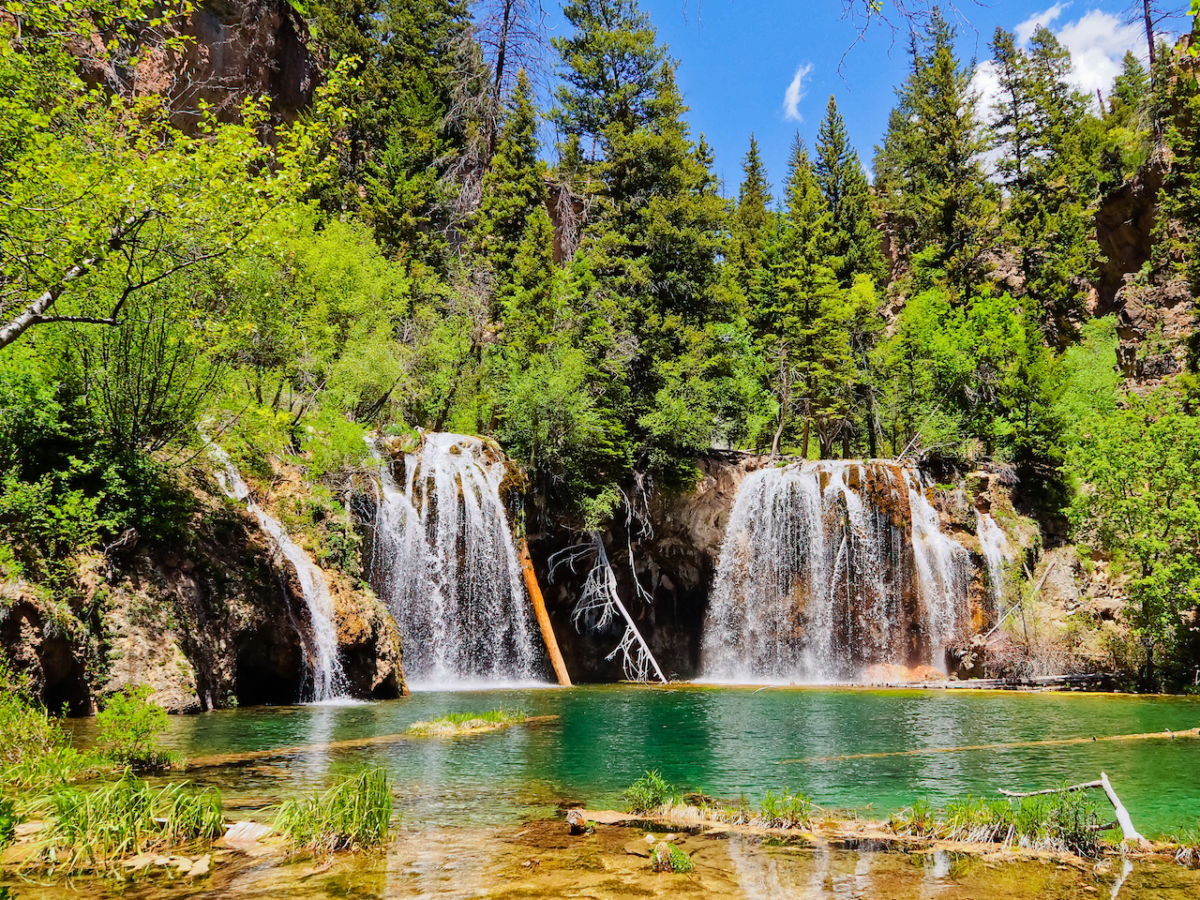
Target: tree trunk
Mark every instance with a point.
(543, 617)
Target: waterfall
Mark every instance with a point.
(995, 552)
(829, 567)
(324, 668)
(443, 558)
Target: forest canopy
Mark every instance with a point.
(407, 254)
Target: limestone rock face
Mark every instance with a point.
(211, 624)
(675, 563)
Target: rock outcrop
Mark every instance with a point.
(222, 53)
(212, 623)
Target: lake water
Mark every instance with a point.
(721, 740)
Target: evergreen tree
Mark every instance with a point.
(929, 174)
(800, 327)
(514, 187)
(752, 228)
(855, 242)
(1048, 144)
(403, 134)
(612, 69)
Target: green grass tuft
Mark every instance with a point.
(668, 857)
(785, 810)
(465, 723)
(354, 814)
(1067, 821)
(94, 830)
(650, 792)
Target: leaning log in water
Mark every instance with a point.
(543, 617)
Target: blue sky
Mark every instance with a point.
(738, 59)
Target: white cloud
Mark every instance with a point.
(1098, 41)
(795, 93)
(1025, 30)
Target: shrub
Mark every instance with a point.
(649, 792)
(96, 829)
(787, 810)
(129, 728)
(668, 857)
(355, 814)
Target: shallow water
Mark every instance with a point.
(724, 741)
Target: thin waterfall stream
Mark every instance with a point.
(828, 568)
(444, 560)
(324, 667)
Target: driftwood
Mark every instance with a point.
(1128, 832)
(543, 617)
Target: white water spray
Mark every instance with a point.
(820, 575)
(324, 668)
(443, 558)
(996, 552)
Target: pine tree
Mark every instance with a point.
(514, 187)
(929, 174)
(612, 67)
(654, 229)
(1048, 151)
(855, 242)
(402, 135)
(800, 328)
(752, 228)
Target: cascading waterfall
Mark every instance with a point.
(996, 553)
(324, 667)
(443, 558)
(829, 567)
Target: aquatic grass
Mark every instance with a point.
(785, 810)
(95, 830)
(460, 723)
(668, 857)
(649, 793)
(1187, 849)
(354, 814)
(35, 749)
(1067, 821)
(917, 819)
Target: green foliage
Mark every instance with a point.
(1064, 820)
(785, 810)
(649, 793)
(128, 729)
(95, 830)
(465, 723)
(971, 377)
(929, 175)
(354, 814)
(1141, 468)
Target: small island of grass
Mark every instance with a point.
(454, 724)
